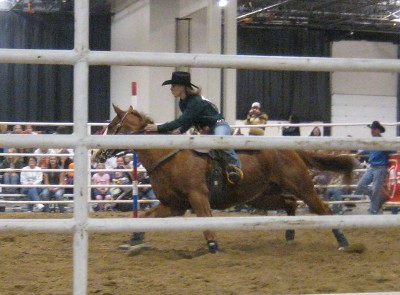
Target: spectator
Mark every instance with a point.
(376, 172)
(32, 178)
(63, 130)
(29, 130)
(17, 129)
(66, 162)
(4, 129)
(53, 178)
(291, 130)
(146, 193)
(128, 161)
(316, 132)
(101, 193)
(12, 177)
(43, 160)
(120, 177)
(103, 128)
(70, 174)
(256, 117)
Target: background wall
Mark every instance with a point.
(363, 97)
(150, 26)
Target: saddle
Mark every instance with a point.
(217, 179)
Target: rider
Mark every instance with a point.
(201, 113)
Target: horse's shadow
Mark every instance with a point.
(171, 254)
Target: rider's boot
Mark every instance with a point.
(235, 174)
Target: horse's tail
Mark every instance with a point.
(343, 164)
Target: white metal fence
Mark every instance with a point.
(81, 58)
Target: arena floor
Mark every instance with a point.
(178, 262)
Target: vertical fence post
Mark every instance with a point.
(80, 113)
(135, 206)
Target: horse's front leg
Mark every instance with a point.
(201, 207)
(158, 211)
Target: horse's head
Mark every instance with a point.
(125, 122)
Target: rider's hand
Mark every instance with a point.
(151, 128)
(176, 132)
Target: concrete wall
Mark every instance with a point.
(363, 97)
(150, 26)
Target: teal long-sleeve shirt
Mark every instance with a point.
(196, 111)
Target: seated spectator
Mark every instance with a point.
(292, 130)
(43, 161)
(4, 129)
(146, 193)
(32, 178)
(120, 177)
(103, 128)
(101, 193)
(54, 178)
(66, 162)
(12, 177)
(128, 161)
(63, 130)
(29, 130)
(256, 117)
(70, 174)
(316, 132)
(17, 129)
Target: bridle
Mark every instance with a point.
(118, 125)
(105, 154)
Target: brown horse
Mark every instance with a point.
(179, 177)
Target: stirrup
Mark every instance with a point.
(234, 174)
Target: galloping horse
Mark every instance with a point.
(179, 177)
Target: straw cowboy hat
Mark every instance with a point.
(377, 125)
(180, 78)
(256, 105)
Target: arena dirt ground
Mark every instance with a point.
(178, 262)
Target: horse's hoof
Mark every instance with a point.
(289, 235)
(212, 247)
(356, 248)
(137, 238)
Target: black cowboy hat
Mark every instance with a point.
(180, 78)
(377, 125)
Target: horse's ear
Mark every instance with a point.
(130, 109)
(117, 110)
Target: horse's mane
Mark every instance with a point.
(144, 119)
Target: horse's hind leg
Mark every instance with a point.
(158, 211)
(303, 188)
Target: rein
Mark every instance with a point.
(160, 161)
(110, 153)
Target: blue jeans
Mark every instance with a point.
(223, 128)
(57, 195)
(33, 195)
(11, 178)
(335, 194)
(376, 174)
(149, 195)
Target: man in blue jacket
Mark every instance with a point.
(377, 171)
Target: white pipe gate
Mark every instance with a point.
(81, 58)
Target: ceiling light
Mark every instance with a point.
(222, 3)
